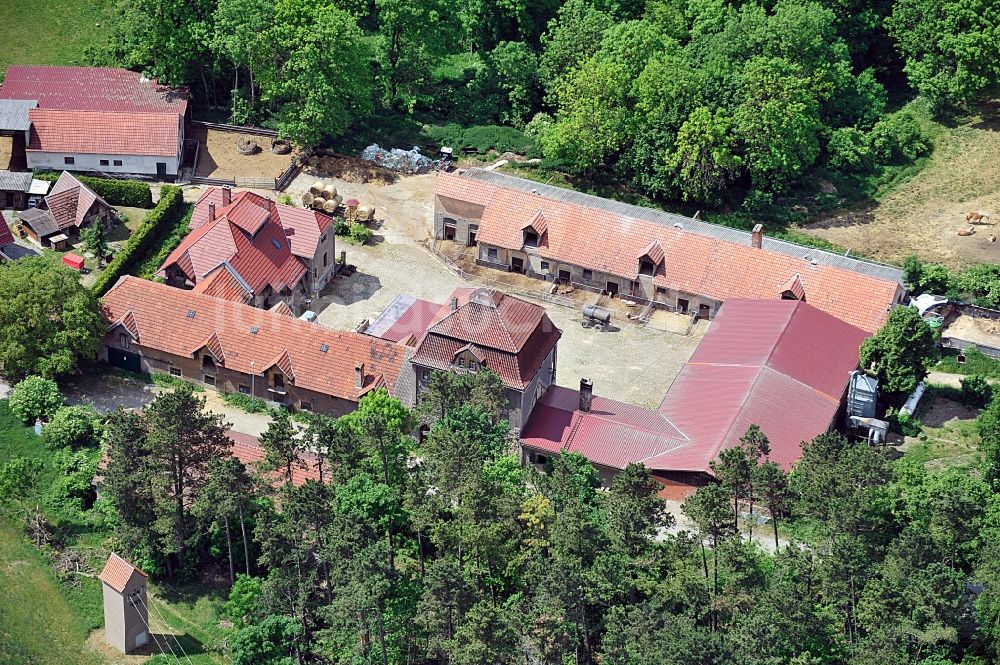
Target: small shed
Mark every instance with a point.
(126, 619)
(74, 261)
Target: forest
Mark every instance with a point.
(447, 550)
(708, 101)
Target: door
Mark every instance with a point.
(703, 311)
(141, 639)
(124, 360)
(161, 170)
(564, 276)
(472, 235)
(516, 264)
(682, 305)
(612, 288)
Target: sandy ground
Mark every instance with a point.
(980, 331)
(923, 215)
(629, 362)
(218, 157)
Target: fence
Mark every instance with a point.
(962, 345)
(259, 131)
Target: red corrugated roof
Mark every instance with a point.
(103, 89)
(698, 264)
(161, 321)
(117, 572)
(104, 133)
(779, 364)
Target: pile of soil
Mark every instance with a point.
(349, 169)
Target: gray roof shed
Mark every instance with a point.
(15, 181)
(14, 114)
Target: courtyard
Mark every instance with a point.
(628, 362)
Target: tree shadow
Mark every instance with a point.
(989, 114)
(347, 291)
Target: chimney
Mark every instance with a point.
(454, 304)
(227, 196)
(757, 236)
(211, 212)
(586, 394)
(359, 375)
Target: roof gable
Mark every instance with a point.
(118, 572)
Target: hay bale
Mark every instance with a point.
(330, 206)
(318, 203)
(307, 198)
(366, 213)
(317, 188)
(329, 192)
(338, 198)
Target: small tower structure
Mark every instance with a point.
(126, 621)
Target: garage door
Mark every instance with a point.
(124, 360)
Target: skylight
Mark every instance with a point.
(254, 330)
(190, 313)
(324, 347)
(276, 243)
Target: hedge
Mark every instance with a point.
(157, 222)
(130, 193)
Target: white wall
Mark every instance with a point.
(130, 163)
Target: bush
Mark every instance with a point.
(172, 235)
(72, 427)
(898, 138)
(342, 228)
(131, 193)
(35, 397)
(976, 362)
(73, 489)
(170, 208)
(849, 150)
(360, 234)
(976, 391)
(247, 403)
(166, 381)
(484, 138)
(903, 422)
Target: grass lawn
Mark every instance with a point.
(37, 624)
(50, 33)
(949, 437)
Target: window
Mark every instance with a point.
(647, 267)
(322, 238)
(425, 375)
(588, 274)
(474, 366)
(210, 380)
(244, 390)
(635, 288)
(541, 459)
(306, 406)
(122, 341)
(279, 381)
(324, 259)
(105, 162)
(461, 361)
(69, 160)
(491, 253)
(175, 371)
(530, 238)
(118, 162)
(545, 265)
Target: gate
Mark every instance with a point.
(125, 360)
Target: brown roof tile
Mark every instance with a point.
(117, 572)
(249, 335)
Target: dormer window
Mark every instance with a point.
(461, 361)
(647, 267)
(530, 238)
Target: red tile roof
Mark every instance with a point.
(248, 335)
(117, 572)
(412, 323)
(104, 133)
(224, 283)
(303, 227)
(781, 364)
(593, 234)
(113, 90)
(248, 236)
(248, 450)
(70, 200)
(512, 335)
(6, 237)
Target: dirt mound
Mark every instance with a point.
(350, 169)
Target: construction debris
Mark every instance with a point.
(402, 161)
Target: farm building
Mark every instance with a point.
(250, 249)
(232, 347)
(783, 365)
(479, 328)
(676, 262)
(94, 119)
(68, 207)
